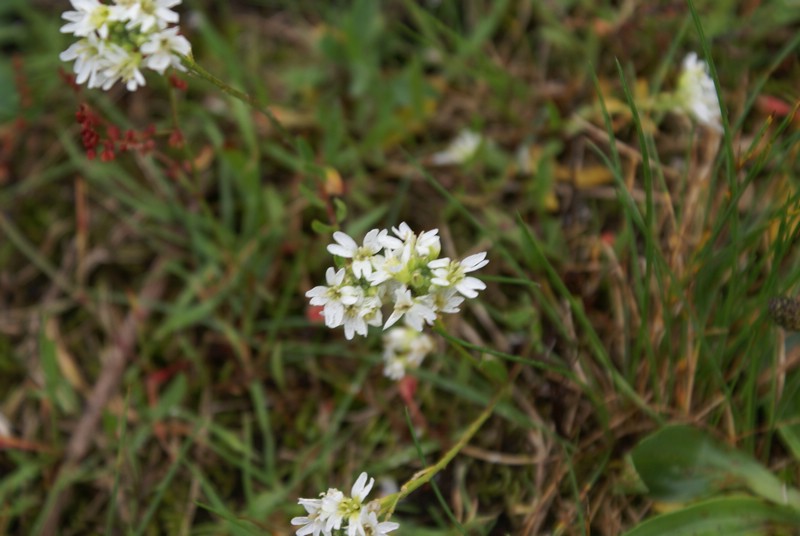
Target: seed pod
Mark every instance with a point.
(785, 312)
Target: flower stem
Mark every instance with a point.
(198, 71)
(389, 502)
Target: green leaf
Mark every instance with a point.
(9, 99)
(680, 463)
(494, 368)
(728, 516)
(322, 228)
(341, 209)
(790, 434)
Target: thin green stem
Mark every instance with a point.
(421, 478)
(198, 71)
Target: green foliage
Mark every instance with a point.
(632, 259)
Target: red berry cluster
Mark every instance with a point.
(132, 140)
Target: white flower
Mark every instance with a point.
(400, 270)
(416, 310)
(460, 149)
(119, 39)
(334, 297)
(428, 244)
(123, 65)
(162, 50)
(404, 347)
(89, 16)
(354, 321)
(148, 14)
(90, 60)
(331, 509)
(352, 508)
(362, 256)
(404, 233)
(386, 267)
(328, 513)
(313, 523)
(446, 300)
(696, 92)
(371, 310)
(369, 520)
(361, 487)
(449, 273)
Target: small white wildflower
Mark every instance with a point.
(415, 310)
(362, 256)
(404, 348)
(449, 273)
(150, 14)
(118, 40)
(404, 233)
(162, 49)
(386, 267)
(371, 311)
(334, 297)
(428, 244)
(90, 60)
(313, 522)
(331, 509)
(351, 508)
(123, 65)
(89, 16)
(354, 321)
(696, 93)
(401, 271)
(446, 300)
(369, 521)
(461, 149)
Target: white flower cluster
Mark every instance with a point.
(696, 93)
(117, 40)
(333, 508)
(403, 270)
(404, 348)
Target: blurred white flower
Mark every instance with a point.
(163, 48)
(404, 348)
(696, 93)
(150, 14)
(461, 149)
(123, 65)
(120, 39)
(90, 60)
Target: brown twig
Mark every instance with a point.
(116, 358)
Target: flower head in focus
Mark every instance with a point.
(335, 511)
(119, 39)
(402, 272)
(696, 94)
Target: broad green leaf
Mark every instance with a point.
(726, 516)
(679, 463)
